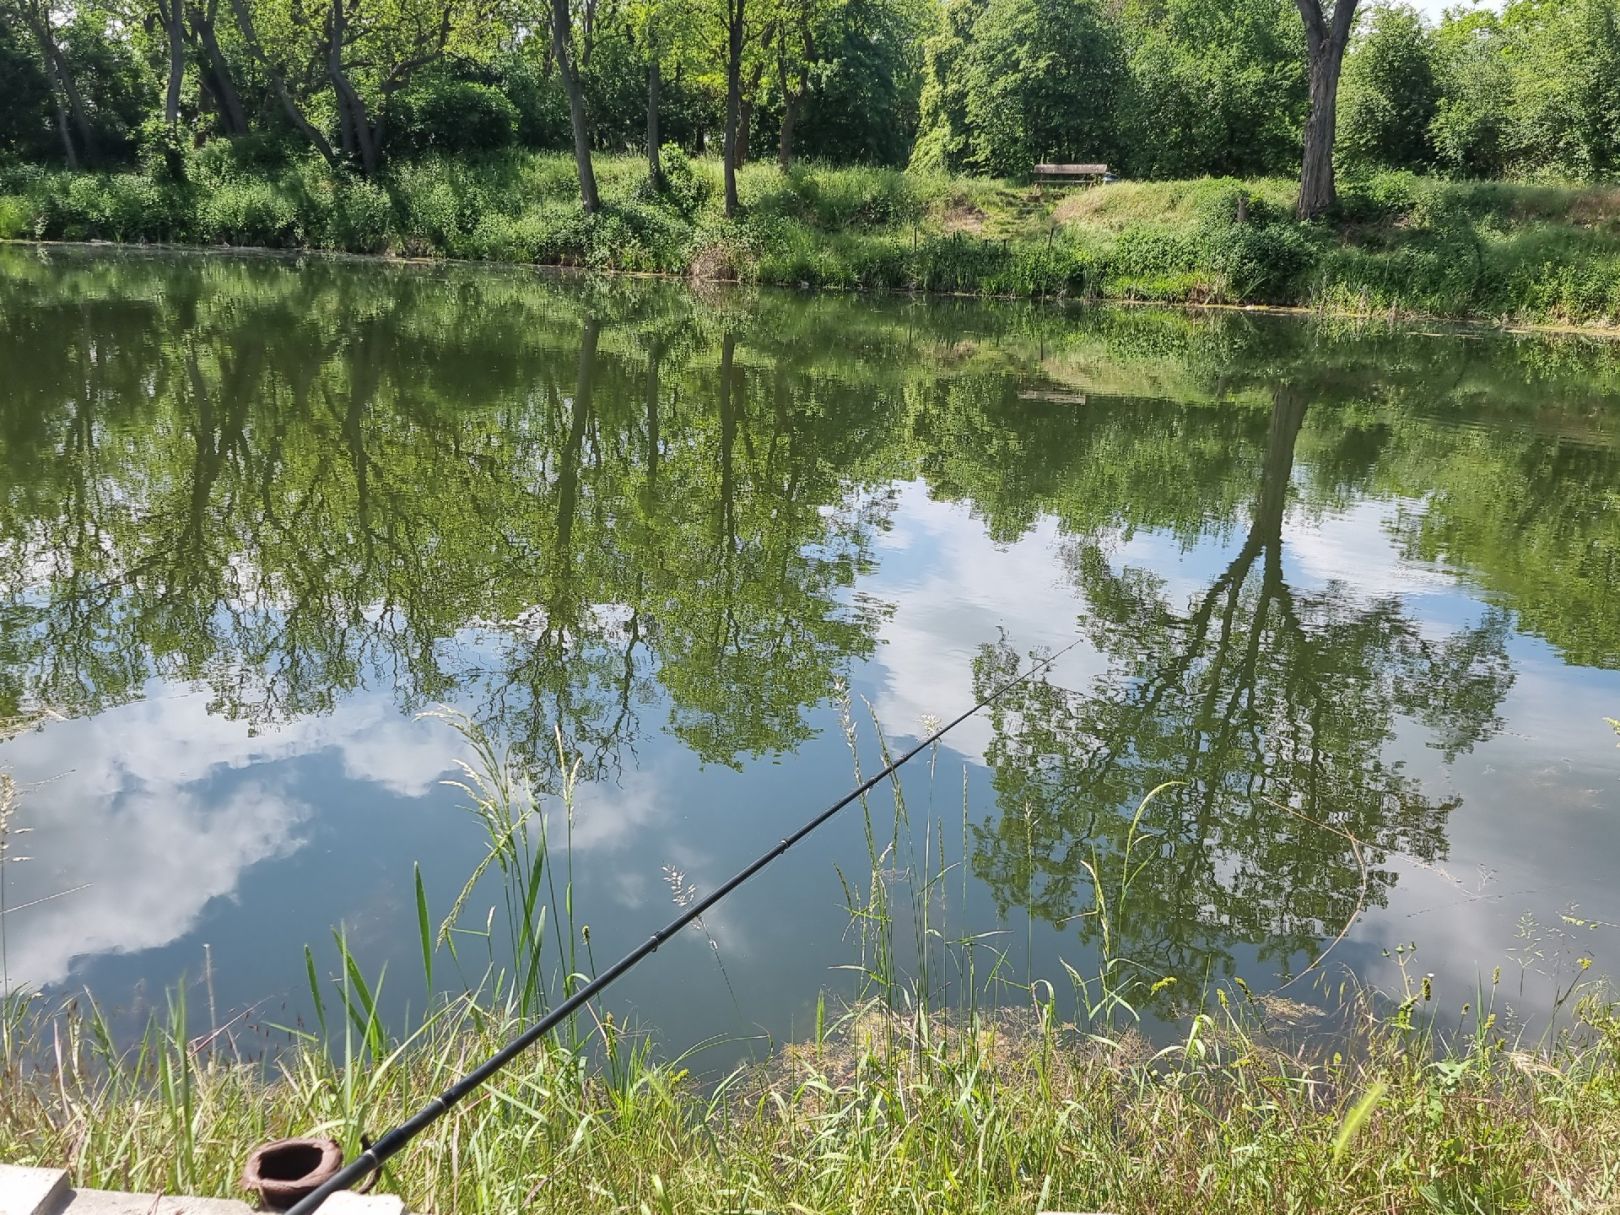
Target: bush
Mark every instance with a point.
(429, 206)
(684, 188)
(120, 207)
(503, 238)
(347, 213)
(1260, 263)
(256, 155)
(249, 213)
(835, 199)
(445, 115)
(16, 217)
(162, 151)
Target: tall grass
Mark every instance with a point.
(904, 1098)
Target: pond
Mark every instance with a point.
(1349, 587)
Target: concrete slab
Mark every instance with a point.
(28, 1191)
(115, 1202)
(363, 1204)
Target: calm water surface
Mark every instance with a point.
(1353, 589)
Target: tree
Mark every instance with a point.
(26, 96)
(1270, 706)
(736, 42)
(1471, 128)
(1043, 79)
(172, 17)
(563, 52)
(366, 52)
(1326, 36)
(1214, 88)
(1564, 61)
(41, 18)
(215, 73)
(942, 121)
(1391, 93)
(863, 103)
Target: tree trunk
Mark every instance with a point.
(1325, 39)
(220, 81)
(560, 37)
(244, 22)
(1317, 192)
(62, 126)
(734, 50)
(351, 106)
(62, 119)
(65, 87)
(174, 18)
(790, 115)
(655, 167)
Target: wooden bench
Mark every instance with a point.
(1084, 175)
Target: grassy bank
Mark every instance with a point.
(886, 1113)
(1402, 244)
(1255, 1103)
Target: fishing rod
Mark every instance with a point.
(376, 1154)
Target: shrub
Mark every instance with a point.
(16, 217)
(122, 207)
(684, 188)
(639, 237)
(446, 115)
(257, 155)
(249, 213)
(1260, 263)
(162, 151)
(430, 207)
(361, 219)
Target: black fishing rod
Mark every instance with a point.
(374, 1156)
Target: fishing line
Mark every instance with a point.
(377, 1153)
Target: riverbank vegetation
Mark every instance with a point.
(885, 1113)
(1459, 169)
(1246, 1102)
(1404, 243)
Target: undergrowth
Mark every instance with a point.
(1400, 244)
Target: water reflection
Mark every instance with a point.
(1265, 712)
(1307, 561)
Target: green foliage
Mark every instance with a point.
(25, 98)
(1214, 88)
(1407, 243)
(84, 206)
(687, 190)
(1471, 130)
(255, 213)
(863, 106)
(1389, 94)
(537, 99)
(162, 152)
(443, 114)
(16, 216)
(1043, 80)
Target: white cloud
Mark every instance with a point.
(965, 590)
(118, 805)
(1354, 547)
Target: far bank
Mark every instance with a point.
(1401, 245)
